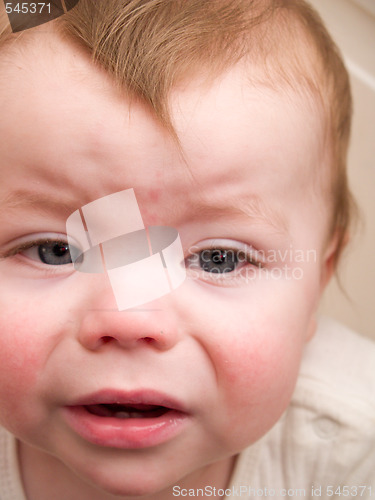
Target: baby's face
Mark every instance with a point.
(223, 350)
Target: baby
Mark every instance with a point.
(226, 121)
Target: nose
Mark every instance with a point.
(153, 324)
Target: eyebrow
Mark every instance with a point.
(46, 204)
(253, 208)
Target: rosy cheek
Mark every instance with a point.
(258, 385)
(19, 355)
(264, 371)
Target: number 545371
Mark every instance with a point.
(27, 8)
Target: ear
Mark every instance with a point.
(329, 261)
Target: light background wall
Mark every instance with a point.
(352, 25)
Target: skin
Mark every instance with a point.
(228, 349)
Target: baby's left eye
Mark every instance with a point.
(52, 253)
(222, 260)
(218, 260)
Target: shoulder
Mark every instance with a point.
(326, 436)
(10, 481)
(344, 345)
(340, 362)
(332, 410)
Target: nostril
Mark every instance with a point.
(148, 339)
(106, 339)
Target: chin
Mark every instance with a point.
(125, 483)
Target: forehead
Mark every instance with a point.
(238, 141)
(265, 122)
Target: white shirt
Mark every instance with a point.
(325, 441)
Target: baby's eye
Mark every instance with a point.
(46, 250)
(218, 260)
(52, 253)
(221, 260)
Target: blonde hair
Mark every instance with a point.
(150, 45)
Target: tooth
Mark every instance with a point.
(122, 414)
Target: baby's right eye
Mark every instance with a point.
(52, 253)
(50, 250)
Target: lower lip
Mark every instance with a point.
(129, 433)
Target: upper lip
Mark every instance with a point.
(139, 397)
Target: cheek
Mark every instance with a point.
(257, 383)
(19, 361)
(257, 355)
(29, 322)
(261, 363)
(26, 325)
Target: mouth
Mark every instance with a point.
(126, 420)
(122, 411)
